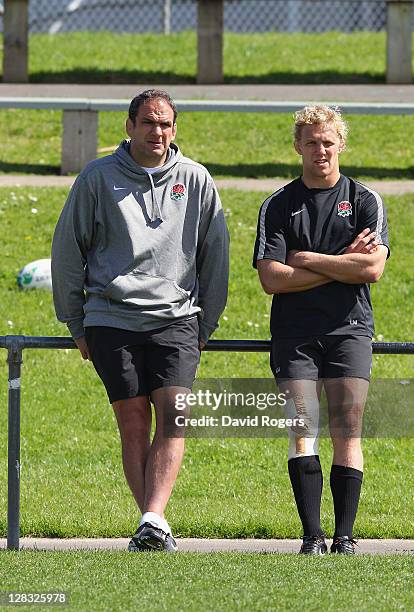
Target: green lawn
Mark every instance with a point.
(210, 582)
(106, 57)
(72, 480)
(257, 145)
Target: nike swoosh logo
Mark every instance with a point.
(117, 188)
(297, 212)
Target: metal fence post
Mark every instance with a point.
(14, 359)
(166, 16)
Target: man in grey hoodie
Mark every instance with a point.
(140, 274)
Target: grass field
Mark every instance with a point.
(222, 581)
(257, 145)
(71, 478)
(106, 57)
(72, 481)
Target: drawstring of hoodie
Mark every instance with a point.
(155, 208)
(139, 175)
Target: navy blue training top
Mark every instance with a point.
(323, 221)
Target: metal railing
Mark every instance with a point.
(15, 346)
(209, 106)
(80, 117)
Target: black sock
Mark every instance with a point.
(306, 478)
(346, 488)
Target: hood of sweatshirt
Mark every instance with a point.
(134, 170)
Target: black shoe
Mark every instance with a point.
(150, 538)
(170, 544)
(313, 545)
(343, 545)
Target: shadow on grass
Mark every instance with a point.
(270, 170)
(126, 76)
(391, 174)
(266, 170)
(22, 168)
(318, 77)
(110, 77)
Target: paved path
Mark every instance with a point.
(266, 185)
(204, 546)
(305, 93)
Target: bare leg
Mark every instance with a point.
(346, 401)
(134, 422)
(303, 397)
(166, 454)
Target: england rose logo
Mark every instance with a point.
(344, 209)
(178, 192)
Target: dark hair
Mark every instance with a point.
(150, 94)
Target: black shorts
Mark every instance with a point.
(136, 363)
(320, 357)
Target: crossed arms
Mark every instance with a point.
(362, 262)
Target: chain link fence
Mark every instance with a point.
(176, 15)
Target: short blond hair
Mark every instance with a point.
(320, 114)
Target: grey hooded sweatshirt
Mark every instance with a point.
(138, 251)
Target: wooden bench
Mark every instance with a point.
(80, 117)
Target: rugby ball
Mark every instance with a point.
(35, 275)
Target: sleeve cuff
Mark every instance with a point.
(205, 331)
(76, 328)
